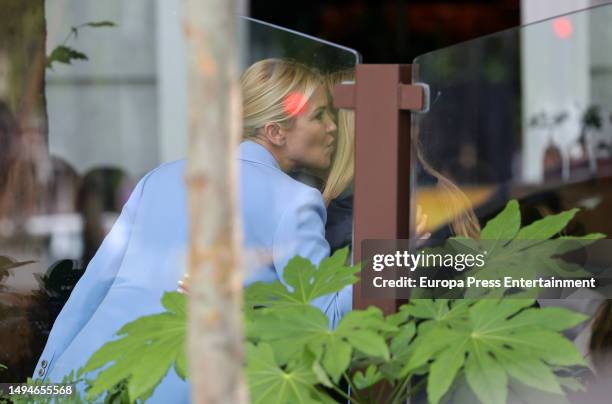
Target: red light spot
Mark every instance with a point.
(295, 103)
(563, 27)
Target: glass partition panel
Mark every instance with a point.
(93, 96)
(522, 114)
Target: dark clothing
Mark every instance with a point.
(339, 226)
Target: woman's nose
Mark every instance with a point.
(331, 125)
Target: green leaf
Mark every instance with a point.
(551, 318)
(486, 377)
(306, 282)
(501, 338)
(549, 346)
(428, 345)
(443, 370)
(503, 227)
(400, 343)
(337, 358)
(370, 378)
(321, 374)
(546, 227)
(64, 54)
(369, 343)
(528, 370)
(370, 318)
(269, 383)
(98, 24)
(425, 308)
(571, 383)
(527, 252)
(289, 331)
(144, 352)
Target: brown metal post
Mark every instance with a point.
(382, 98)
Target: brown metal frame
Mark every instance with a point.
(382, 98)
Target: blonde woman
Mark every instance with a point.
(286, 126)
(338, 186)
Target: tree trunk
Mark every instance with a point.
(23, 33)
(215, 340)
(22, 91)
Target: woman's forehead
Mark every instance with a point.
(318, 98)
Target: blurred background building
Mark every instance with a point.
(513, 114)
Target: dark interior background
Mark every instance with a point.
(391, 31)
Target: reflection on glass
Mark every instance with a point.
(524, 113)
(76, 138)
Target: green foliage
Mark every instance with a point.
(294, 383)
(488, 343)
(528, 252)
(65, 54)
(144, 353)
(491, 340)
(306, 281)
(525, 251)
(462, 349)
(70, 379)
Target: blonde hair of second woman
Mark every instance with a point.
(341, 172)
(265, 87)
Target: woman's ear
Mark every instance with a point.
(273, 133)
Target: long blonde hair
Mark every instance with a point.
(266, 86)
(342, 169)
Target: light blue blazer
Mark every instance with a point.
(143, 256)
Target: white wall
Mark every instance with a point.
(103, 111)
(125, 106)
(557, 75)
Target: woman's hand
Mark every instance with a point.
(183, 285)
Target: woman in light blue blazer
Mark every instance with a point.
(286, 126)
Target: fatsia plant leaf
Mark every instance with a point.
(528, 252)
(271, 383)
(505, 226)
(368, 378)
(492, 340)
(290, 331)
(546, 227)
(444, 369)
(306, 282)
(146, 349)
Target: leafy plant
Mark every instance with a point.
(445, 348)
(144, 353)
(70, 379)
(64, 53)
(523, 252)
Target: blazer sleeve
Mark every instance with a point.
(301, 231)
(93, 286)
